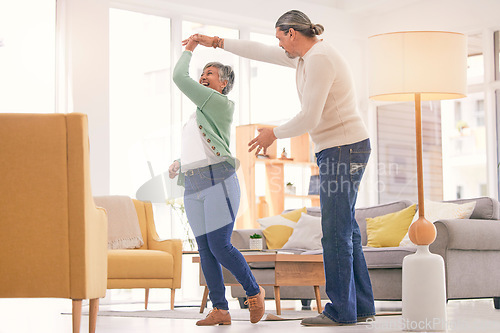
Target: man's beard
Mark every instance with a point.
(290, 56)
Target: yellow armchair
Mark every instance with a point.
(54, 239)
(156, 264)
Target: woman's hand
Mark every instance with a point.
(190, 44)
(172, 170)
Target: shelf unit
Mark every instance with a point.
(300, 151)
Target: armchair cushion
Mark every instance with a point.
(140, 264)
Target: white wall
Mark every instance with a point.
(454, 15)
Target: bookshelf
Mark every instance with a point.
(300, 155)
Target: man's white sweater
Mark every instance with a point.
(326, 93)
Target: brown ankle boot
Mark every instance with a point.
(215, 317)
(257, 306)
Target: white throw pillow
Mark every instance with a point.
(266, 222)
(435, 211)
(306, 235)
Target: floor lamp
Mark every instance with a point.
(419, 66)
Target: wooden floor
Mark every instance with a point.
(46, 316)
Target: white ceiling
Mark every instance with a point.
(364, 7)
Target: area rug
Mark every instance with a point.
(236, 314)
(194, 313)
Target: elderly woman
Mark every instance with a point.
(212, 192)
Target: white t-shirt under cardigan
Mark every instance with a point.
(326, 93)
(195, 152)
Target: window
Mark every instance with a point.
(27, 56)
(479, 113)
(397, 170)
(464, 147)
(271, 100)
(139, 99)
(475, 59)
(464, 132)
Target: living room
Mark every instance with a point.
(118, 71)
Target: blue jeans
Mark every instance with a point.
(347, 281)
(212, 198)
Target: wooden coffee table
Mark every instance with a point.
(290, 270)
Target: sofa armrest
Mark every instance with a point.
(466, 234)
(241, 238)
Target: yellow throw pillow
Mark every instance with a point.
(295, 215)
(388, 230)
(277, 235)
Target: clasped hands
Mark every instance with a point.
(199, 39)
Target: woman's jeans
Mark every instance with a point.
(347, 281)
(212, 198)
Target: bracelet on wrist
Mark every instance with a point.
(215, 42)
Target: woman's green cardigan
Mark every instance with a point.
(214, 111)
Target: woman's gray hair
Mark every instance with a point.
(299, 22)
(226, 73)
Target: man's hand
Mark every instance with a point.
(201, 39)
(172, 170)
(265, 138)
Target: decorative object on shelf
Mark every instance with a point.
(415, 66)
(290, 188)
(255, 242)
(284, 156)
(188, 241)
(262, 208)
(313, 185)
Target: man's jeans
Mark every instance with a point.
(211, 198)
(347, 281)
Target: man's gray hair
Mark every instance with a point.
(225, 73)
(299, 22)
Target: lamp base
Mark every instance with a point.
(424, 291)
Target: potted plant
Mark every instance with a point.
(290, 188)
(255, 242)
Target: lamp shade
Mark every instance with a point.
(432, 63)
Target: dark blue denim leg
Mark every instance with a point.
(212, 271)
(347, 282)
